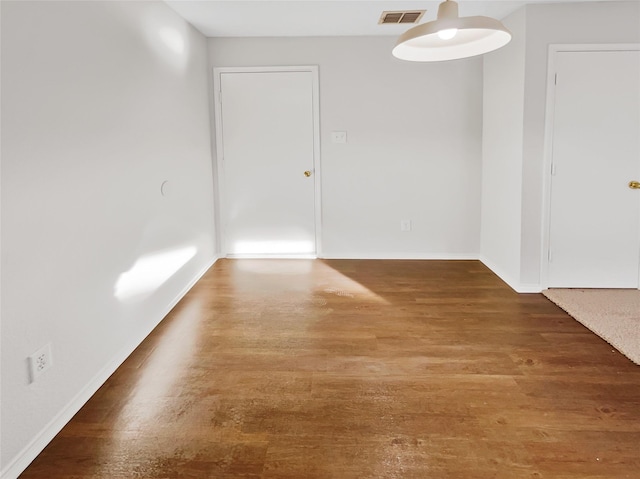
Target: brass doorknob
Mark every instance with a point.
(307, 173)
(634, 185)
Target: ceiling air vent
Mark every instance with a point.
(411, 16)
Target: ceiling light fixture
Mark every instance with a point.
(451, 37)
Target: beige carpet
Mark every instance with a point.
(613, 314)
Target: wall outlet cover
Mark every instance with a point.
(39, 362)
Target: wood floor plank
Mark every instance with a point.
(282, 369)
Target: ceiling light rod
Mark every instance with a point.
(451, 37)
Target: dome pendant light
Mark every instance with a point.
(451, 37)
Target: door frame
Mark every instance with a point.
(317, 175)
(554, 49)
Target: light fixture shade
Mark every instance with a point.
(475, 36)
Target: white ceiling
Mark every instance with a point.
(266, 18)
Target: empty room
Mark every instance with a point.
(320, 239)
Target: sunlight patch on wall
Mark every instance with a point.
(172, 39)
(168, 38)
(277, 247)
(150, 272)
(288, 268)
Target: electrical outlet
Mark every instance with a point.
(405, 225)
(40, 361)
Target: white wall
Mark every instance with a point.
(503, 113)
(514, 126)
(414, 144)
(606, 22)
(101, 103)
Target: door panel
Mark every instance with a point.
(595, 217)
(268, 144)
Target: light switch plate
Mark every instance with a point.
(338, 137)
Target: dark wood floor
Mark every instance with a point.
(359, 369)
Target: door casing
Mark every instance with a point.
(548, 143)
(317, 175)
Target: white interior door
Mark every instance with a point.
(267, 128)
(594, 230)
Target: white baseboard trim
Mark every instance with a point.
(271, 256)
(409, 256)
(517, 286)
(529, 288)
(40, 441)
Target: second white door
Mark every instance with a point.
(268, 130)
(594, 239)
